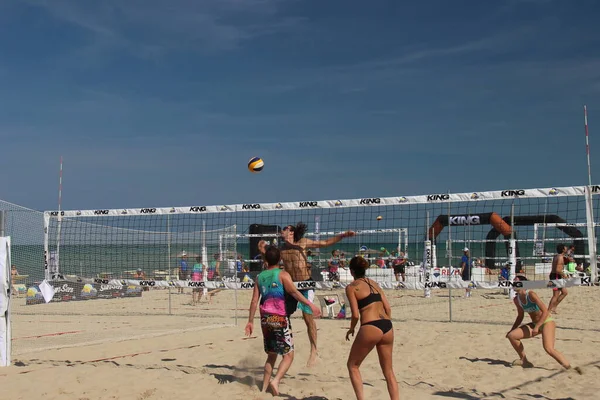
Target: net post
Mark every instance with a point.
(317, 236)
(5, 285)
(205, 258)
(235, 313)
(427, 259)
(46, 241)
(169, 258)
(449, 255)
(591, 233)
(512, 256)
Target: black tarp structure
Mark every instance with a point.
(530, 220)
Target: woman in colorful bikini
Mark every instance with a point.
(542, 323)
(368, 300)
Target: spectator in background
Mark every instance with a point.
(465, 270)
(504, 274)
(239, 264)
(197, 276)
(183, 270)
(13, 271)
(213, 268)
(334, 264)
(262, 245)
(140, 275)
(343, 260)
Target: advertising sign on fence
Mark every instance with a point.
(73, 291)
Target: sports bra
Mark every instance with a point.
(371, 298)
(529, 306)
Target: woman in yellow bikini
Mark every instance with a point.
(542, 323)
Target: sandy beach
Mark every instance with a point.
(132, 349)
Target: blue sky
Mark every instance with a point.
(156, 103)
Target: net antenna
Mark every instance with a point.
(589, 204)
(60, 174)
(52, 259)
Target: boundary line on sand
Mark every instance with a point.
(121, 339)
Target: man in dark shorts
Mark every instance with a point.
(271, 286)
(557, 272)
(465, 270)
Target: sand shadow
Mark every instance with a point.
(244, 380)
(539, 396)
(457, 395)
(245, 376)
(489, 361)
(250, 381)
(492, 361)
(234, 368)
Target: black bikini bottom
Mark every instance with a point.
(384, 325)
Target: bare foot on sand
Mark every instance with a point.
(273, 387)
(312, 360)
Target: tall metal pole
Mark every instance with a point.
(590, 206)
(512, 247)
(450, 268)
(169, 257)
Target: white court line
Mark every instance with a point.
(122, 339)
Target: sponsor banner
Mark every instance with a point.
(74, 291)
(369, 201)
(66, 290)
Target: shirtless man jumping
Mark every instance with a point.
(295, 263)
(558, 265)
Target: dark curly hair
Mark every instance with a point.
(272, 255)
(358, 265)
(299, 230)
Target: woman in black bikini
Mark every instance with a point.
(367, 299)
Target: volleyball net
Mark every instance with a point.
(198, 264)
(410, 242)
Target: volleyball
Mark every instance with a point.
(255, 165)
(379, 218)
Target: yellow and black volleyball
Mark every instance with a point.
(255, 165)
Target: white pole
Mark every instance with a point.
(591, 228)
(46, 253)
(427, 258)
(57, 257)
(205, 258)
(450, 267)
(236, 280)
(590, 206)
(317, 230)
(5, 282)
(512, 247)
(169, 257)
(587, 145)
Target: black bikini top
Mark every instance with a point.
(373, 297)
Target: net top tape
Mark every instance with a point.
(307, 205)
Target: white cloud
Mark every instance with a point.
(153, 27)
